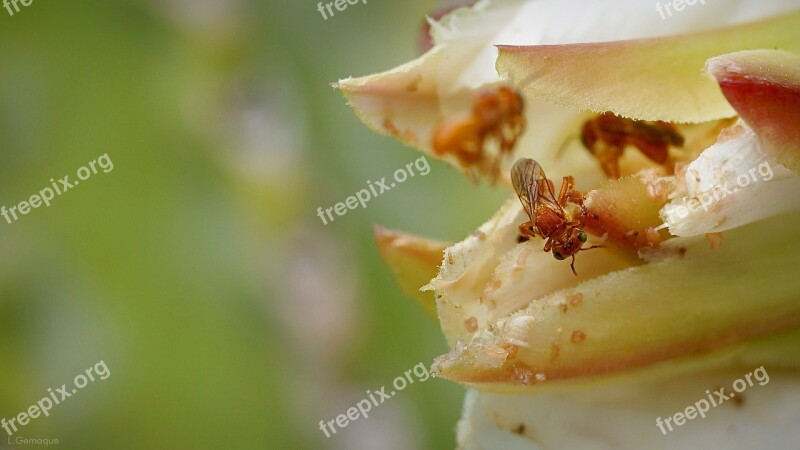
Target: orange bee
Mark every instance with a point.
(607, 135)
(497, 115)
(558, 220)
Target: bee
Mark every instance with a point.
(607, 135)
(496, 115)
(557, 220)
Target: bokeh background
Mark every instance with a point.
(228, 315)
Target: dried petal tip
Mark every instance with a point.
(414, 261)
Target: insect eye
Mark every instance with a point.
(582, 236)
(558, 256)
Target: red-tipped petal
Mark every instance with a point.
(764, 88)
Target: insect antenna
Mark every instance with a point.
(572, 264)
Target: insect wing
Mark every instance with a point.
(531, 185)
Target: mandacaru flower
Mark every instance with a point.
(696, 117)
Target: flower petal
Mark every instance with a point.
(764, 88)
(414, 261)
(489, 275)
(410, 101)
(649, 79)
(623, 416)
(732, 183)
(615, 322)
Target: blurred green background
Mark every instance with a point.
(228, 315)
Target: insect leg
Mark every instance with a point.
(609, 160)
(566, 190)
(569, 194)
(654, 151)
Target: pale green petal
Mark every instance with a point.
(650, 79)
(693, 300)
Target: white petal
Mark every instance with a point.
(731, 184)
(623, 416)
(552, 22)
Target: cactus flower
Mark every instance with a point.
(697, 281)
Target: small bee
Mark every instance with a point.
(497, 115)
(607, 135)
(558, 220)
